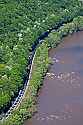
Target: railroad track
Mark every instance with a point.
(21, 94)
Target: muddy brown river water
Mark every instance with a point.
(60, 100)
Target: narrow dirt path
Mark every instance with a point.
(60, 100)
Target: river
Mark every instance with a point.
(60, 100)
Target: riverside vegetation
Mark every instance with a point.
(40, 66)
(21, 22)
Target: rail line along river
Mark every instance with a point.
(60, 100)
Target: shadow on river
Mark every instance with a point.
(60, 100)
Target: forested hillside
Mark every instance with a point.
(21, 22)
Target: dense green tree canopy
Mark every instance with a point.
(21, 22)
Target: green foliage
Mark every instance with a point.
(21, 22)
(79, 23)
(55, 37)
(52, 39)
(40, 66)
(27, 106)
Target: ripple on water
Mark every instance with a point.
(61, 99)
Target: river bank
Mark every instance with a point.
(60, 98)
(26, 109)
